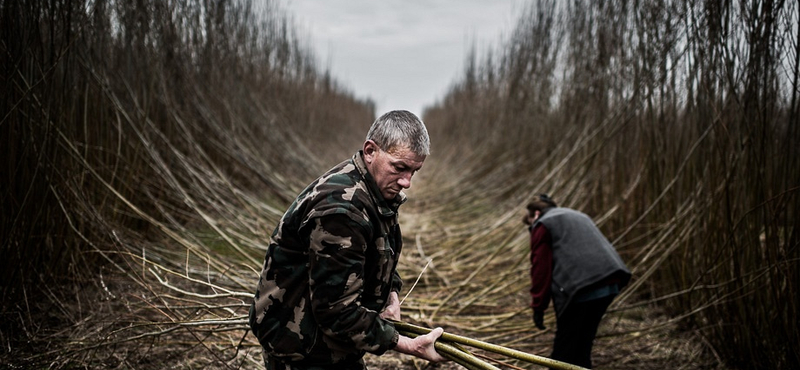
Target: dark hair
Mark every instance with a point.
(540, 202)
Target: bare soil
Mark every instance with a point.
(622, 343)
(85, 333)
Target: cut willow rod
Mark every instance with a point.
(519, 355)
(454, 353)
(464, 358)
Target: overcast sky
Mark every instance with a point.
(401, 54)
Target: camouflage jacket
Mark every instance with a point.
(328, 272)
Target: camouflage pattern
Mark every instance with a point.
(328, 272)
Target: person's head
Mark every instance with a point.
(395, 148)
(537, 207)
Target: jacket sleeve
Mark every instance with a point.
(541, 271)
(397, 282)
(336, 275)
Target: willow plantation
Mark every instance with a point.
(151, 147)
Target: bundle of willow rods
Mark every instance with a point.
(450, 346)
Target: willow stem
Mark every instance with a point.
(519, 355)
(455, 353)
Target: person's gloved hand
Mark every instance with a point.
(538, 319)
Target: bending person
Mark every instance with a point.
(573, 264)
(329, 281)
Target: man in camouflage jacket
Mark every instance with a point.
(329, 271)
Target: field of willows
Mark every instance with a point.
(150, 147)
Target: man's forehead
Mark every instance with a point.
(405, 156)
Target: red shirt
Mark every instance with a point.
(541, 267)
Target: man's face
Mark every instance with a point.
(393, 169)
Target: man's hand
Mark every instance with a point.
(392, 310)
(421, 346)
(538, 319)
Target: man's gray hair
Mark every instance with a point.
(400, 128)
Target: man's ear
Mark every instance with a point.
(370, 150)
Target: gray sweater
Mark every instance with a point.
(582, 256)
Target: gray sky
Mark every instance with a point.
(401, 54)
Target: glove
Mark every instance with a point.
(538, 319)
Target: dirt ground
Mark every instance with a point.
(661, 349)
(665, 348)
(95, 331)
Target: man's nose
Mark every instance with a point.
(405, 180)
